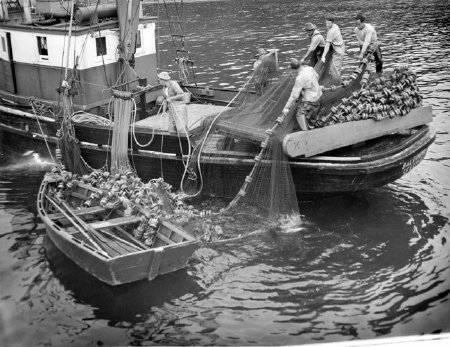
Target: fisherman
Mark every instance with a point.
(265, 67)
(306, 92)
(294, 64)
(172, 94)
(260, 53)
(316, 46)
(335, 42)
(368, 41)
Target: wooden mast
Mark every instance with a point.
(128, 16)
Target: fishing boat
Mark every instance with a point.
(372, 153)
(102, 239)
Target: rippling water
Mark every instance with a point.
(364, 266)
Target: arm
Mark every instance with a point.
(325, 51)
(312, 47)
(366, 43)
(179, 94)
(360, 42)
(295, 94)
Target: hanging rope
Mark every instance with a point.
(188, 170)
(123, 108)
(31, 101)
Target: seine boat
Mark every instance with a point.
(371, 153)
(100, 239)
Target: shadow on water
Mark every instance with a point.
(127, 302)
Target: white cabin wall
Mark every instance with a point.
(40, 76)
(25, 49)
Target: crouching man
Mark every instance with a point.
(306, 93)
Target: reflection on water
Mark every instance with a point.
(365, 265)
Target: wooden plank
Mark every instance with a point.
(131, 238)
(76, 222)
(156, 262)
(316, 141)
(114, 222)
(121, 241)
(79, 196)
(165, 239)
(81, 212)
(178, 230)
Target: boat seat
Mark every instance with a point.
(81, 212)
(165, 238)
(115, 222)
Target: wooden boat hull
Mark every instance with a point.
(224, 173)
(145, 264)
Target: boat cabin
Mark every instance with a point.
(34, 51)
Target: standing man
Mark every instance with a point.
(316, 46)
(308, 92)
(335, 42)
(264, 68)
(368, 41)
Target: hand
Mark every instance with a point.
(323, 60)
(285, 111)
(302, 60)
(361, 56)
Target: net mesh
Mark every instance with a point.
(68, 147)
(122, 110)
(257, 126)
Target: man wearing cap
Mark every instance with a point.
(308, 92)
(368, 41)
(172, 92)
(171, 89)
(335, 42)
(316, 46)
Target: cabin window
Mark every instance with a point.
(42, 45)
(3, 44)
(101, 45)
(138, 39)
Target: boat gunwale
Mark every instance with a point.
(85, 246)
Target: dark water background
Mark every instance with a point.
(369, 265)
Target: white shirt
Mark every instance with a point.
(306, 86)
(367, 36)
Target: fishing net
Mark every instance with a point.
(68, 146)
(122, 109)
(258, 126)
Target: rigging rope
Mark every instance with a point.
(181, 60)
(40, 128)
(187, 169)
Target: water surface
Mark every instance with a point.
(368, 265)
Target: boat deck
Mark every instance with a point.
(188, 116)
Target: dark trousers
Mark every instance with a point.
(378, 59)
(315, 56)
(307, 113)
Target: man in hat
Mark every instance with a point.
(171, 89)
(334, 42)
(368, 41)
(316, 46)
(307, 92)
(172, 94)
